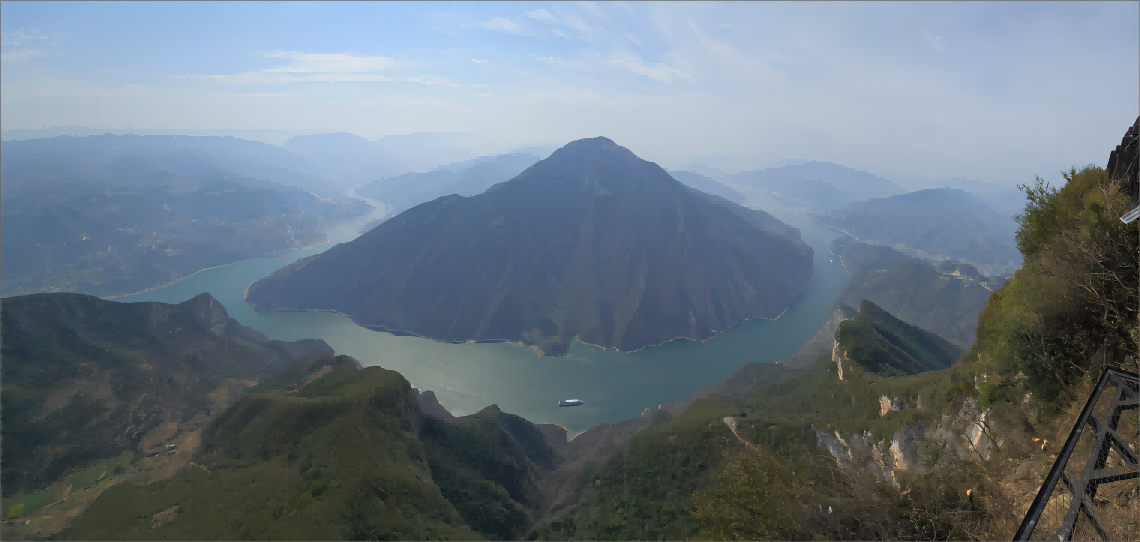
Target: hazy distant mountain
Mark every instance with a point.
(465, 178)
(817, 185)
(111, 215)
(130, 160)
(1007, 201)
(936, 224)
(709, 185)
(944, 298)
(592, 242)
(355, 161)
(350, 159)
(880, 343)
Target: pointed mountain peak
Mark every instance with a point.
(593, 167)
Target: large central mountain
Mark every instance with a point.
(592, 242)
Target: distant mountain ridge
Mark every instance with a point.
(118, 161)
(817, 185)
(592, 242)
(944, 298)
(709, 185)
(355, 161)
(116, 215)
(937, 224)
(465, 179)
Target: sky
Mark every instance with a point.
(994, 91)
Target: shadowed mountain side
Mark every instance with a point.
(430, 405)
(592, 242)
(888, 346)
(937, 224)
(582, 456)
(943, 298)
(489, 465)
(85, 379)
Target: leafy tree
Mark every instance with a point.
(752, 499)
(1072, 308)
(1039, 221)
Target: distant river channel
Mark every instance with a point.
(468, 377)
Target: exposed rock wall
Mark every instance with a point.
(967, 436)
(1122, 162)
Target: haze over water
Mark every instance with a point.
(469, 377)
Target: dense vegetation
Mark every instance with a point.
(86, 379)
(347, 454)
(887, 346)
(1072, 307)
(338, 459)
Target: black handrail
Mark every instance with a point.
(1055, 474)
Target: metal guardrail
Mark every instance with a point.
(1057, 511)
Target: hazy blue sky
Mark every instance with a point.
(998, 92)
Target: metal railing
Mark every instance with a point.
(1104, 455)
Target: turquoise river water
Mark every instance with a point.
(468, 377)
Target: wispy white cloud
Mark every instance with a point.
(542, 16)
(269, 78)
(23, 45)
(328, 63)
(502, 24)
(592, 9)
(557, 60)
(21, 55)
(658, 71)
(322, 68)
(578, 24)
(22, 37)
(477, 61)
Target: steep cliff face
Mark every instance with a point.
(969, 435)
